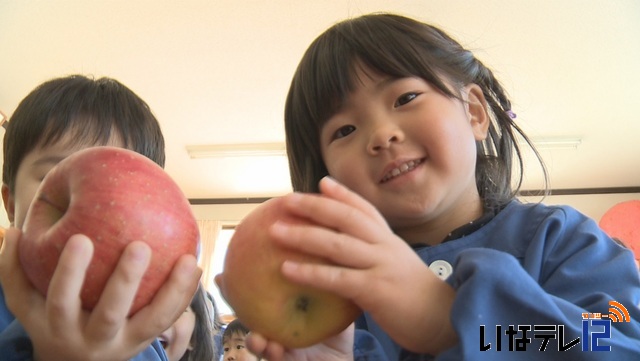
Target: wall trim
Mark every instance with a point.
(522, 193)
(247, 200)
(578, 191)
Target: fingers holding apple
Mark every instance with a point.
(62, 303)
(268, 303)
(60, 329)
(20, 296)
(172, 298)
(338, 348)
(112, 308)
(113, 196)
(364, 265)
(345, 213)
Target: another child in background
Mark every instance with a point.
(233, 343)
(217, 324)
(419, 212)
(215, 314)
(58, 118)
(191, 337)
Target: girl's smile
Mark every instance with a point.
(408, 148)
(398, 170)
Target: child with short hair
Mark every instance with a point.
(59, 117)
(233, 343)
(411, 142)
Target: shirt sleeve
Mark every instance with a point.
(15, 345)
(5, 316)
(367, 348)
(155, 352)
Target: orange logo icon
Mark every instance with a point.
(617, 312)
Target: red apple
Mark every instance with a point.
(114, 196)
(251, 282)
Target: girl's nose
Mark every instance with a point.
(383, 137)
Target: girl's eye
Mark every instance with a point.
(240, 347)
(226, 349)
(405, 98)
(343, 131)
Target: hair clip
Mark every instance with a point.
(511, 114)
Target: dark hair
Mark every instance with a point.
(232, 328)
(202, 341)
(399, 47)
(94, 111)
(215, 317)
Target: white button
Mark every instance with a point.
(441, 268)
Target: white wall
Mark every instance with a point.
(227, 213)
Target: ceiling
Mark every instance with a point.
(217, 72)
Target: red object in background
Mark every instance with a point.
(622, 221)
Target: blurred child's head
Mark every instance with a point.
(233, 342)
(397, 47)
(177, 339)
(64, 115)
(190, 338)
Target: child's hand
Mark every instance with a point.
(61, 330)
(373, 267)
(337, 348)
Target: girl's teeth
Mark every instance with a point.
(401, 169)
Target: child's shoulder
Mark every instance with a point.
(541, 212)
(545, 224)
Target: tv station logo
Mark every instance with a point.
(596, 327)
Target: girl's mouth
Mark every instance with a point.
(400, 170)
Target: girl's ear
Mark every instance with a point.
(9, 202)
(476, 107)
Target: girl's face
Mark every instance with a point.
(177, 339)
(410, 151)
(235, 350)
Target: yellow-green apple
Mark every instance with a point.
(114, 196)
(263, 299)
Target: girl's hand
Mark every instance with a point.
(58, 326)
(373, 267)
(337, 348)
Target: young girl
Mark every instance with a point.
(192, 336)
(419, 212)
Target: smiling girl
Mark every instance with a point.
(411, 143)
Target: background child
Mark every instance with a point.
(58, 118)
(425, 230)
(233, 343)
(191, 337)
